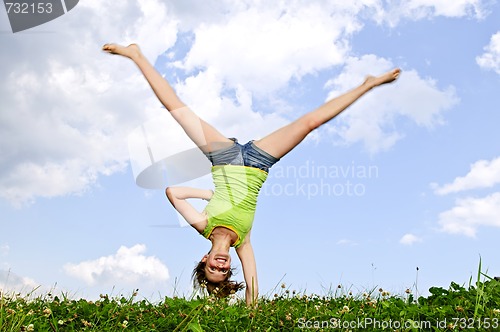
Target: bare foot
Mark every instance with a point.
(130, 51)
(388, 77)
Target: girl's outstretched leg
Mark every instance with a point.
(286, 138)
(206, 137)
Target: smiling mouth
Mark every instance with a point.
(221, 259)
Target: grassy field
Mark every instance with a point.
(472, 307)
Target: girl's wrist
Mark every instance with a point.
(210, 194)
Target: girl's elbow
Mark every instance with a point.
(170, 193)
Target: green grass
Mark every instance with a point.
(473, 307)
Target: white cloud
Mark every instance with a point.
(482, 174)
(490, 60)
(66, 106)
(195, 13)
(469, 214)
(12, 283)
(421, 9)
(372, 120)
(264, 47)
(128, 265)
(409, 239)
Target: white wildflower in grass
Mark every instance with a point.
(125, 323)
(232, 299)
(496, 311)
(60, 322)
(30, 327)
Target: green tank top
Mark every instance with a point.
(234, 200)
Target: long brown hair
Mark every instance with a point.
(219, 289)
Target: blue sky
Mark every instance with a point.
(407, 178)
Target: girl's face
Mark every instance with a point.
(217, 266)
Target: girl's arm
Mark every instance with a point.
(178, 195)
(247, 258)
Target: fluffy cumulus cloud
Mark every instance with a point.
(275, 42)
(372, 122)
(128, 266)
(409, 239)
(67, 108)
(482, 174)
(469, 214)
(490, 59)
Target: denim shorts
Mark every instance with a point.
(242, 155)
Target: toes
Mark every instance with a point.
(110, 48)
